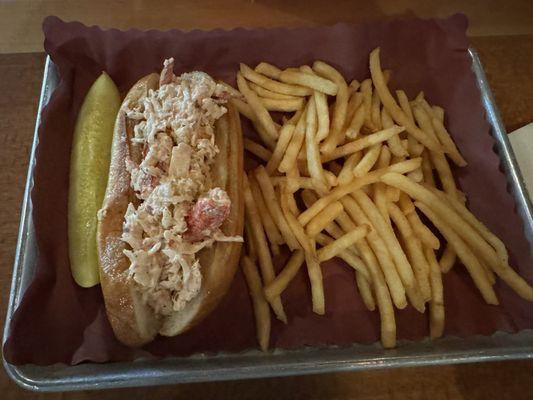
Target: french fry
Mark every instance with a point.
(301, 182)
(466, 255)
(379, 195)
(263, 255)
(307, 69)
(363, 143)
(366, 90)
(427, 169)
(438, 159)
(392, 107)
(286, 105)
(331, 179)
(354, 86)
(321, 105)
(447, 259)
(314, 163)
(400, 259)
(261, 308)
(394, 143)
(462, 229)
(268, 70)
(285, 135)
(356, 123)
(414, 250)
(273, 206)
(322, 219)
(317, 287)
(417, 175)
(259, 110)
(438, 113)
(365, 290)
(268, 94)
(346, 174)
(310, 81)
(471, 219)
(404, 105)
(449, 146)
(436, 304)
(347, 255)
(336, 134)
(355, 101)
(272, 85)
(271, 230)
(334, 248)
(357, 183)
(422, 231)
(243, 108)
(375, 115)
(368, 161)
(250, 245)
(256, 149)
(379, 253)
(279, 284)
(383, 297)
(296, 228)
(289, 160)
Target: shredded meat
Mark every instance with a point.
(207, 215)
(179, 212)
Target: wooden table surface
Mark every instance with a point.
(502, 32)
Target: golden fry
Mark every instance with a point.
(336, 134)
(289, 160)
(273, 206)
(256, 149)
(261, 309)
(271, 230)
(379, 253)
(337, 246)
(392, 107)
(465, 254)
(285, 135)
(363, 143)
(357, 183)
(414, 250)
(279, 284)
(309, 81)
(436, 304)
(268, 70)
(260, 112)
(368, 161)
(317, 286)
(263, 255)
(272, 85)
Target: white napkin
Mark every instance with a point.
(522, 142)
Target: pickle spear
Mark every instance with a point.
(89, 168)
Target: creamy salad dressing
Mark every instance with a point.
(179, 212)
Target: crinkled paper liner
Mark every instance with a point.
(57, 321)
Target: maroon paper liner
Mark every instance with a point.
(58, 321)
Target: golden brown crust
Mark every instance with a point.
(133, 322)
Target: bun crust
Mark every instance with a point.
(135, 323)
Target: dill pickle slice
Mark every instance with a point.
(89, 168)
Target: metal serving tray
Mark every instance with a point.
(253, 363)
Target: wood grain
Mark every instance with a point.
(20, 21)
(510, 72)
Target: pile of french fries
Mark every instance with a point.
(347, 171)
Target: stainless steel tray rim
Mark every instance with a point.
(253, 363)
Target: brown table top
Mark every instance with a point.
(503, 35)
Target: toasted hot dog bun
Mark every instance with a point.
(135, 323)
